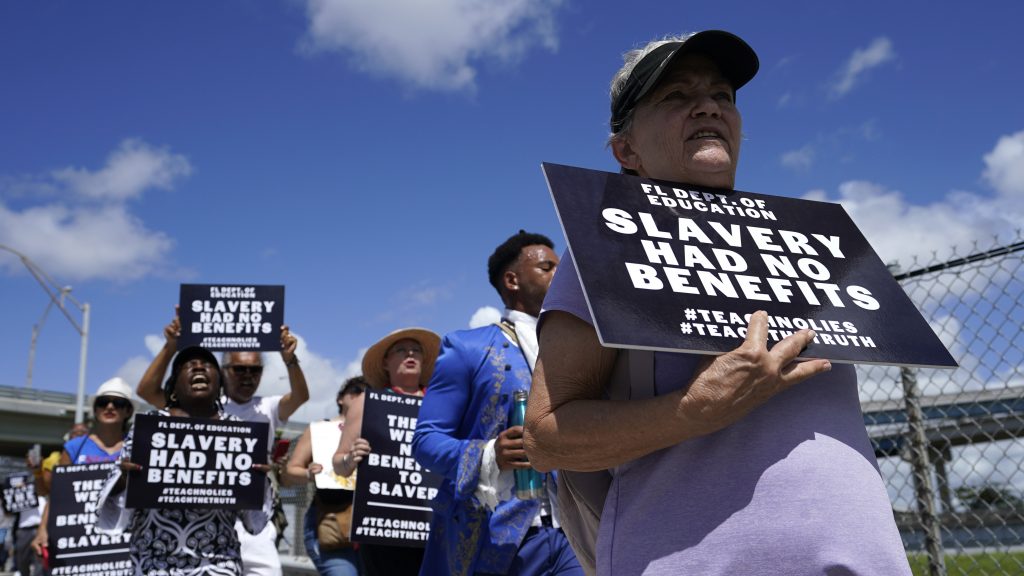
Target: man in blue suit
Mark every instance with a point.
(479, 527)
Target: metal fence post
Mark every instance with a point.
(298, 523)
(921, 464)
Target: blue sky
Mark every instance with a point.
(370, 155)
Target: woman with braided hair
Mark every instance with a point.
(180, 542)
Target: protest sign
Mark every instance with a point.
(197, 463)
(680, 268)
(19, 493)
(74, 545)
(324, 438)
(231, 317)
(392, 498)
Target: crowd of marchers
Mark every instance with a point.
(749, 462)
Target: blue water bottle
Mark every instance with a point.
(529, 483)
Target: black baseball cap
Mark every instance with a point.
(193, 352)
(735, 58)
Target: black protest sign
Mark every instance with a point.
(75, 547)
(392, 498)
(231, 317)
(197, 463)
(678, 267)
(19, 493)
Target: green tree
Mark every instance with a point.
(990, 497)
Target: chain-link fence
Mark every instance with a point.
(949, 441)
(295, 501)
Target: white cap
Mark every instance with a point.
(115, 387)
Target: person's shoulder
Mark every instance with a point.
(74, 443)
(241, 409)
(269, 405)
(268, 400)
(473, 335)
(51, 461)
(470, 347)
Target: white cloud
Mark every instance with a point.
(435, 45)
(1004, 166)
(955, 226)
(131, 169)
(134, 367)
(323, 378)
(862, 60)
(84, 242)
(80, 227)
(970, 311)
(989, 463)
(900, 231)
(154, 342)
(800, 159)
(132, 370)
(484, 315)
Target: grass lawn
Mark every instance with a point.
(985, 564)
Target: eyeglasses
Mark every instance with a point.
(403, 351)
(104, 401)
(241, 369)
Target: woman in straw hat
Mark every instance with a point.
(401, 363)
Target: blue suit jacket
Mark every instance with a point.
(467, 403)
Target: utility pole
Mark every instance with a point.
(58, 296)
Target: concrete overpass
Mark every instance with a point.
(31, 416)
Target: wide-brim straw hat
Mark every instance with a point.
(373, 360)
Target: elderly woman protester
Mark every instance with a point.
(112, 411)
(748, 463)
(180, 541)
(401, 363)
(329, 517)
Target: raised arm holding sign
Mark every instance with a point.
(189, 477)
(220, 306)
(230, 317)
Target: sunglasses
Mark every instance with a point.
(416, 351)
(239, 370)
(104, 401)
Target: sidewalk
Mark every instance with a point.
(291, 565)
(295, 566)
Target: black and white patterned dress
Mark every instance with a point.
(182, 542)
